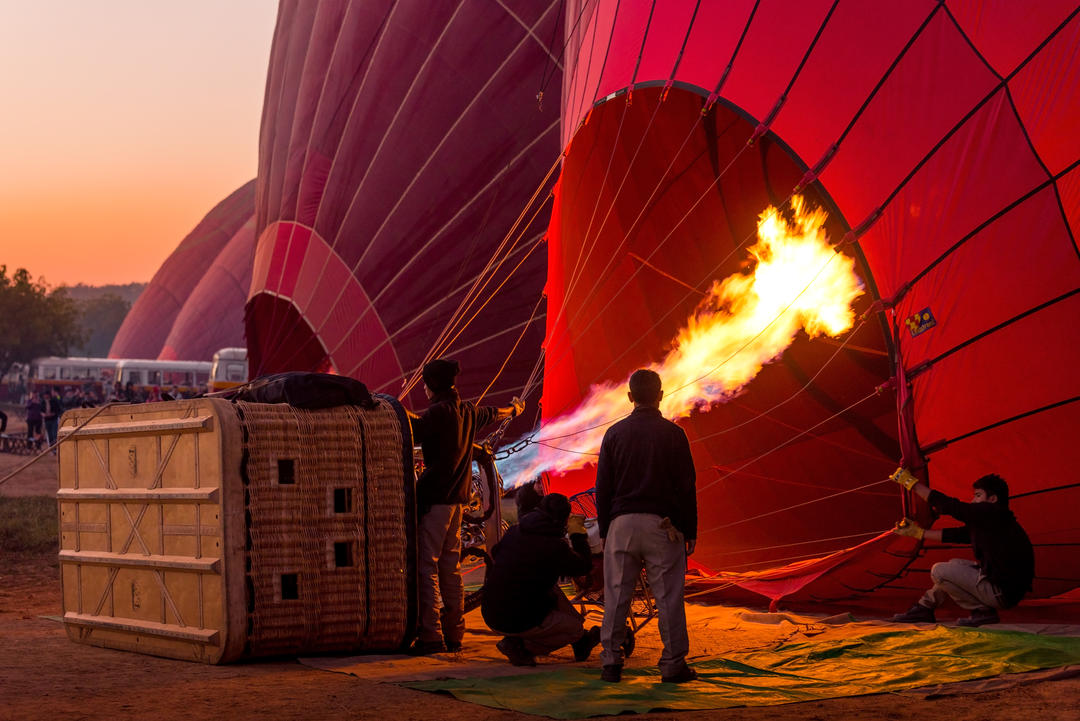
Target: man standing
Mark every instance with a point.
(446, 433)
(646, 503)
(522, 599)
(1004, 564)
(51, 415)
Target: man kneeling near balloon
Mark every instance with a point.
(522, 598)
(1004, 562)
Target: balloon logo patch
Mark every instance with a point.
(920, 322)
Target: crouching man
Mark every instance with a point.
(522, 599)
(1004, 561)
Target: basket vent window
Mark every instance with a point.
(286, 471)
(290, 586)
(342, 500)
(343, 554)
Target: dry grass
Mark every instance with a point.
(28, 525)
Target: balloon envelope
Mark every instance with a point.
(399, 143)
(938, 137)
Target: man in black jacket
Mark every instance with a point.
(646, 503)
(446, 433)
(1004, 563)
(522, 599)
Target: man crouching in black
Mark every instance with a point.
(521, 597)
(1004, 562)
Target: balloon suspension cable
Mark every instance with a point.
(482, 279)
(55, 445)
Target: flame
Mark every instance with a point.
(799, 282)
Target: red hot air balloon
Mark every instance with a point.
(212, 318)
(938, 137)
(148, 331)
(399, 143)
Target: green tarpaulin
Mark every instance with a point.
(868, 663)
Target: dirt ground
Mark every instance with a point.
(43, 675)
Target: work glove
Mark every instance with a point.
(903, 477)
(519, 406)
(575, 524)
(909, 528)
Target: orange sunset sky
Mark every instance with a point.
(122, 123)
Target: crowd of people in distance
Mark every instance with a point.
(43, 408)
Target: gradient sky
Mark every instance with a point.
(122, 123)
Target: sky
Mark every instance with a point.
(122, 123)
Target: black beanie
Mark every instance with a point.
(439, 374)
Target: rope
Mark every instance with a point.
(513, 350)
(48, 450)
(787, 400)
(797, 505)
(792, 440)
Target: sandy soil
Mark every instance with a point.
(43, 675)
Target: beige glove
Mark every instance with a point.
(575, 524)
(903, 477)
(519, 406)
(909, 528)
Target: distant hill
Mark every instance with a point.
(104, 308)
(128, 292)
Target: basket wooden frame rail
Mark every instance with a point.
(151, 532)
(213, 531)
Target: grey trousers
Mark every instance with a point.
(561, 627)
(963, 582)
(635, 540)
(440, 575)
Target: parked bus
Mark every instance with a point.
(59, 374)
(229, 369)
(187, 377)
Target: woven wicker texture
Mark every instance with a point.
(327, 552)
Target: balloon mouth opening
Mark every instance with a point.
(657, 200)
(296, 347)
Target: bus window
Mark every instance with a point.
(236, 372)
(48, 373)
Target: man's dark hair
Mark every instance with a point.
(439, 374)
(528, 498)
(994, 485)
(645, 387)
(556, 506)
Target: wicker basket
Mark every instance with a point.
(215, 531)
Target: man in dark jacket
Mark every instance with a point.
(1004, 563)
(522, 599)
(446, 433)
(646, 503)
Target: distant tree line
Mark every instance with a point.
(36, 320)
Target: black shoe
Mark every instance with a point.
(916, 614)
(584, 645)
(453, 646)
(514, 649)
(685, 676)
(426, 648)
(611, 673)
(979, 617)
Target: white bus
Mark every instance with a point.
(144, 375)
(60, 373)
(229, 369)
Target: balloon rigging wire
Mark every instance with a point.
(433, 307)
(513, 350)
(469, 297)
